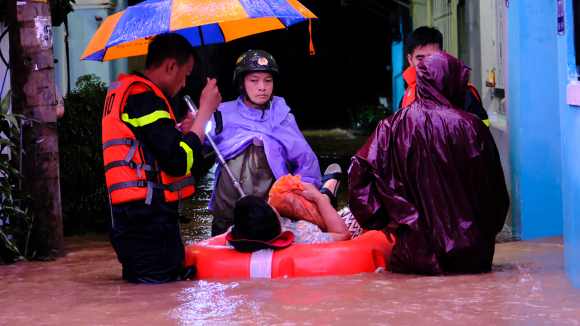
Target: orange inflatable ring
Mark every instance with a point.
(214, 257)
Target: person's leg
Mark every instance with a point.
(331, 182)
(328, 189)
(225, 197)
(150, 253)
(352, 224)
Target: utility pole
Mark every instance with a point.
(33, 95)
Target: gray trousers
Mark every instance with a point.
(252, 170)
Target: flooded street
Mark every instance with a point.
(527, 286)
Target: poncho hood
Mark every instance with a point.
(436, 172)
(441, 81)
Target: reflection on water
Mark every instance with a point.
(207, 301)
(527, 287)
(195, 208)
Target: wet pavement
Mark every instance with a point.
(527, 286)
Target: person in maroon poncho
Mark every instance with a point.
(433, 173)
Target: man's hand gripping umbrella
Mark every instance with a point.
(221, 159)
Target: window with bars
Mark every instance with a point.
(442, 13)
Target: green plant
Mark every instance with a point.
(16, 216)
(82, 176)
(366, 117)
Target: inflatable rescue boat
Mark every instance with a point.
(215, 257)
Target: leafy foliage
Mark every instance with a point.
(366, 117)
(58, 10)
(82, 176)
(16, 216)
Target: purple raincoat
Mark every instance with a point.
(283, 142)
(436, 171)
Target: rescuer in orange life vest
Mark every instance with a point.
(420, 43)
(148, 161)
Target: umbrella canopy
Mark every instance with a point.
(127, 33)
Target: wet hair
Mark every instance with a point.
(254, 219)
(168, 46)
(424, 36)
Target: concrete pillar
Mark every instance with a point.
(536, 160)
(398, 59)
(569, 93)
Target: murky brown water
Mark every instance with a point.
(527, 287)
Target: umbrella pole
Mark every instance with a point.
(221, 159)
(217, 114)
(204, 53)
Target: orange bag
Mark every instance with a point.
(292, 205)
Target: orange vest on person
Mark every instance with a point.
(410, 76)
(123, 153)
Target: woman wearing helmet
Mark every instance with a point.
(260, 140)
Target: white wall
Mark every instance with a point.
(490, 29)
(82, 27)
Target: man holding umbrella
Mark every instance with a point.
(148, 161)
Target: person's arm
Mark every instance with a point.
(147, 115)
(301, 157)
(335, 226)
(473, 106)
(208, 103)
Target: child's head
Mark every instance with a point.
(257, 226)
(255, 219)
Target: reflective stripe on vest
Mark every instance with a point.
(123, 153)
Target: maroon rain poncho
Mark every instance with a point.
(436, 172)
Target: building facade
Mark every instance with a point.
(83, 23)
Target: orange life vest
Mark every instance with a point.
(123, 153)
(410, 76)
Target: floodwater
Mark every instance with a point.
(527, 287)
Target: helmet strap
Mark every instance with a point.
(263, 107)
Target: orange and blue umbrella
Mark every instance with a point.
(127, 33)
